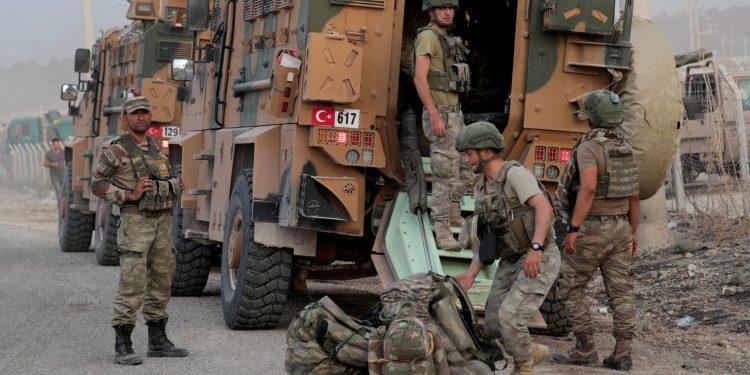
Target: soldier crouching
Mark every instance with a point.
(136, 175)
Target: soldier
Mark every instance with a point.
(134, 174)
(440, 73)
(601, 231)
(54, 159)
(515, 224)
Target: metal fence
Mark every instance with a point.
(711, 177)
(25, 166)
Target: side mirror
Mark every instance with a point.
(182, 70)
(82, 60)
(68, 92)
(197, 15)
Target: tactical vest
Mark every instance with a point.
(620, 179)
(508, 219)
(156, 166)
(457, 75)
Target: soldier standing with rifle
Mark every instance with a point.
(515, 224)
(134, 174)
(602, 175)
(440, 73)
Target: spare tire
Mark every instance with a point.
(651, 94)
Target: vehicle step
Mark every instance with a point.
(83, 178)
(208, 157)
(199, 191)
(195, 235)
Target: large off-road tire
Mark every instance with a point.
(192, 260)
(105, 235)
(555, 314)
(73, 227)
(254, 278)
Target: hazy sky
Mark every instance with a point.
(41, 30)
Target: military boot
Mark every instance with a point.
(583, 354)
(539, 353)
(620, 357)
(524, 368)
(444, 237)
(158, 343)
(124, 354)
(456, 219)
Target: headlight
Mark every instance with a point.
(553, 172)
(352, 156)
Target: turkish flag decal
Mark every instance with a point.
(153, 131)
(325, 116)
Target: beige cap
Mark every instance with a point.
(134, 104)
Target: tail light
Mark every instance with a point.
(540, 151)
(552, 153)
(341, 138)
(564, 155)
(355, 138)
(369, 139)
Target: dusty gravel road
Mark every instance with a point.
(55, 309)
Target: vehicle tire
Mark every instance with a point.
(255, 279)
(105, 235)
(555, 314)
(73, 227)
(192, 259)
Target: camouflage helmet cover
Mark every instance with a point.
(604, 109)
(479, 135)
(427, 4)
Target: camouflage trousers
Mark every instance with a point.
(451, 176)
(147, 264)
(514, 298)
(604, 242)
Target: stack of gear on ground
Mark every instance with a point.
(418, 329)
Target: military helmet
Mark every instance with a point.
(479, 135)
(603, 108)
(427, 4)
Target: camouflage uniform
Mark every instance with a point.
(514, 297)
(144, 239)
(451, 177)
(605, 234)
(604, 242)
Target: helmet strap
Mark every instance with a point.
(484, 162)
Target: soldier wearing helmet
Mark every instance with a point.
(440, 74)
(598, 194)
(515, 224)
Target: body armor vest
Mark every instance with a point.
(457, 75)
(620, 179)
(156, 166)
(508, 219)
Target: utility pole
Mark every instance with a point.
(88, 28)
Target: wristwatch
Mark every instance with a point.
(573, 229)
(537, 246)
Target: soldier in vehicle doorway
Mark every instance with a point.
(440, 74)
(600, 188)
(136, 175)
(514, 221)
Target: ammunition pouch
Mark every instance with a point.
(163, 196)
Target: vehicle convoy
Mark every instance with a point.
(717, 107)
(290, 147)
(125, 61)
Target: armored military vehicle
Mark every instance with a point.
(717, 109)
(124, 61)
(290, 147)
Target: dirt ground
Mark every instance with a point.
(704, 274)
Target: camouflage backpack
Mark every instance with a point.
(323, 340)
(405, 347)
